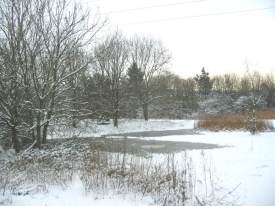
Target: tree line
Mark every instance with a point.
(50, 68)
(167, 95)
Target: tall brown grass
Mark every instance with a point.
(236, 121)
(266, 114)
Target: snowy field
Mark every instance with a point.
(241, 173)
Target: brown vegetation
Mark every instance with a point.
(236, 121)
(266, 114)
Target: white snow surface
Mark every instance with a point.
(91, 129)
(248, 163)
(140, 125)
(75, 196)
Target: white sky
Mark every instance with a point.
(220, 43)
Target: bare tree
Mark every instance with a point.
(111, 64)
(74, 103)
(189, 93)
(255, 97)
(152, 58)
(64, 29)
(38, 41)
(14, 23)
(225, 84)
(268, 89)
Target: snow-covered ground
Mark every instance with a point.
(75, 195)
(248, 164)
(91, 129)
(243, 170)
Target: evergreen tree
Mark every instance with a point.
(135, 78)
(203, 82)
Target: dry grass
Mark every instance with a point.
(236, 121)
(266, 114)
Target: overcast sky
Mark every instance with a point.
(197, 34)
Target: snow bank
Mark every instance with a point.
(141, 125)
(74, 195)
(91, 129)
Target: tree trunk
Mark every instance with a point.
(46, 126)
(115, 119)
(145, 111)
(38, 132)
(15, 140)
(48, 117)
(254, 121)
(116, 108)
(74, 123)
(45, 133)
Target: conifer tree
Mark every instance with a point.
(203, 82)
